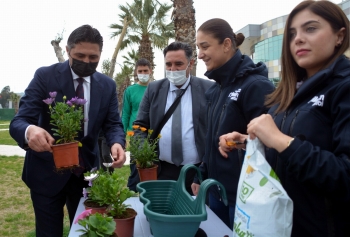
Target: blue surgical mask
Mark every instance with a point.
(178, 78)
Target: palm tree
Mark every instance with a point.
(130, 60)
(184, 20)
(148, 27)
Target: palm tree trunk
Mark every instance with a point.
(146, 50)
(117, 48)
(185, 26)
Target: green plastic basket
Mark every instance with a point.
(170, 209)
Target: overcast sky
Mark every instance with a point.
(28, 26)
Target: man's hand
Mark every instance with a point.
(195, 188)
(39, 139)
(118, 155)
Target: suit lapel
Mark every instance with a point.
(65, 80)
(96, 92)
(163, 95)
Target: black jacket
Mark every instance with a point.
(315, 168)
(236, 98)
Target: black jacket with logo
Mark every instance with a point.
(236, 98)
(315, 168)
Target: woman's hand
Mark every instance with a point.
(266, 130)
(228, 141)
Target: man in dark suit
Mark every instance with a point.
(159, 96)
(51, 190)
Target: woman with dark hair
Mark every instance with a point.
(307, 129)
(236, 98)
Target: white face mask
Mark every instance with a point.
(143, 77)
(178, 78)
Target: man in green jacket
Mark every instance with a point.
(134, 93)
(131, 101)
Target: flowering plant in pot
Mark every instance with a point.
(66, 119)
(143, 150)
(95, 224)
(109, 188)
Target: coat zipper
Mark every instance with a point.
(222, 111)
(293, 121)
(282, 125)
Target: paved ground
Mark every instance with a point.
(6, 150)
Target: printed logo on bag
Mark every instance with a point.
(234, 95)
(317, 101)
(246, 191)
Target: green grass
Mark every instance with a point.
(5, 138)
(17, 214)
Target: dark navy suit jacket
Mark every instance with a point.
(39, 171)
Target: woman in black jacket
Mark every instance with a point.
(307, 130)
(236, 98)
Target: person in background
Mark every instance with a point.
(307, 129)
(51, 190)
(131, 101)
(236, 98)
(188, 147)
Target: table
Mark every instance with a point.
(213, 226)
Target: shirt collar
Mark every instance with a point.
(174, 88)
(75, 76)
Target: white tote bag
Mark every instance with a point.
(263, 208)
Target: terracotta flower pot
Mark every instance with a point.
(148, 173)
(95, 207)
(125, 227)
(66, 155)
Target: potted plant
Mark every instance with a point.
(109, 189)
(66, 119)
(95, 224)
(143, 152)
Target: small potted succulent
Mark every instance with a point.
(66, 119)
(143, 152)
(109, 189)
(95, 224)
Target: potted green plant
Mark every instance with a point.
(143, 152)
(109, 189)
(95, 224)
(66, 119)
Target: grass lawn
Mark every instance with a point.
(17, 214)
(15, 203)
(5, 138)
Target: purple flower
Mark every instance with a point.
(93, 169)
(81, 101)
(49, 101)
(74, 100)
(53, 94)
(69, 103)
(90, 183)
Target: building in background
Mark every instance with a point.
(264, 42)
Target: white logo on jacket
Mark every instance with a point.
(234, 95)
(317, 101)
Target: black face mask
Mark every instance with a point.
(83, 69)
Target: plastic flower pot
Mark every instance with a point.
(170, 209)
(66, 155)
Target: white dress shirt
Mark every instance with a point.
(189, 150)
(86, 86)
